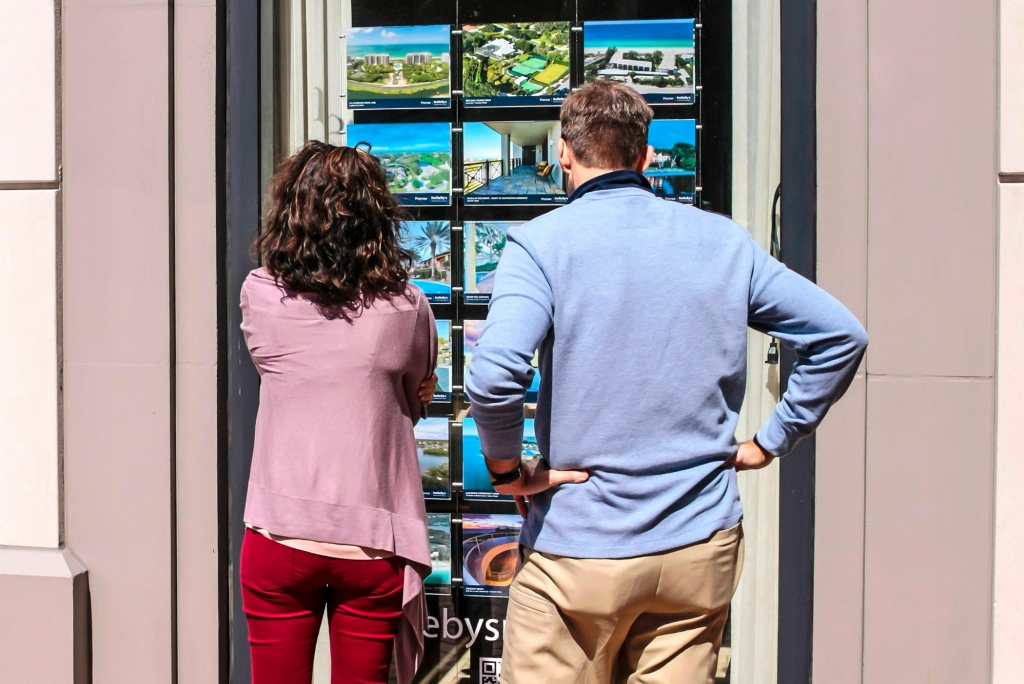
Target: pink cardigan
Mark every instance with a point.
(335, 456)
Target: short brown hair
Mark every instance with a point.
(332, 230)
(605, 124)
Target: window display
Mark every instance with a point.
(471, 333)
(515, 64)
(672, 174)
(490, 547)
(443, 391)
(512, 162)
(430, 242)
(417, 158)
(439, 532)
(655, 58)
(485, 242)
(432, 449)
(398, 67)
(476, 481)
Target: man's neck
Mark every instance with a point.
(581, 174)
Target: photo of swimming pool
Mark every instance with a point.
(439, 534)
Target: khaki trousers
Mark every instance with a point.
(654, 619)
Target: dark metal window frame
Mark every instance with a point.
(239, 203)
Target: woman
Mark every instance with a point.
(346, 349)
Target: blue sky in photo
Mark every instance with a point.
(480, 142)
(412, 229)
(486, 522)
(432, 428)
(665, 133)
(444, 329)
(404, 137)
(400, 35)
(625, 34)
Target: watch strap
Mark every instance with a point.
(506, 478)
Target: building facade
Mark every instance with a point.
(118, 181)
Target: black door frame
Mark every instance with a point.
(239, 206)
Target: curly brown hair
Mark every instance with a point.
(332, 230)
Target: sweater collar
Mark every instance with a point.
(613, 180)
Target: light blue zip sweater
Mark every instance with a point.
(640, 307)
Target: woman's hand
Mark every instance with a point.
(426, 390)
(537, 477)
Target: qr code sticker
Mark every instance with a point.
(490, 670)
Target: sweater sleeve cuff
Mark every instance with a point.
(502, 444)
(772, 438)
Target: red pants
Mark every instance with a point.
(284, 593)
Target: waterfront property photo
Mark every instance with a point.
(392, 67)
(655, 58)
(512, 162)
(672, 174)
(433, 453)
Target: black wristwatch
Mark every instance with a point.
(511, 476)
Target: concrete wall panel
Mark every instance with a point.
(1008, 603)
(843, 151)
(1011, 86)
(28, 120)
(195, 54)
(29, 505)
(117, 328)
(43, 627)
(928, 541)
(931, 272)
(839, 541)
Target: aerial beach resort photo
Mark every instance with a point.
(417, 158)
(512, 162)
(655, 58)
(515, 64)
(398, 67)
(485, 242)
(430, 242)
(672, 174)
(432, 449)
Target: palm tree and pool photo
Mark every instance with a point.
(485, 242)
(430, 242)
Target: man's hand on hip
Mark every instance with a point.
(750, 456)
(537, 477)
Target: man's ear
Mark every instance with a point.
(645, 159)
(565, 159)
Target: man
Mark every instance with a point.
(632, 547)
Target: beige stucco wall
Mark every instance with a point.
(1008, 598)
(29, 465)
(907, 235)
(195, 262)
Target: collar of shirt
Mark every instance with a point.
(622, 178)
